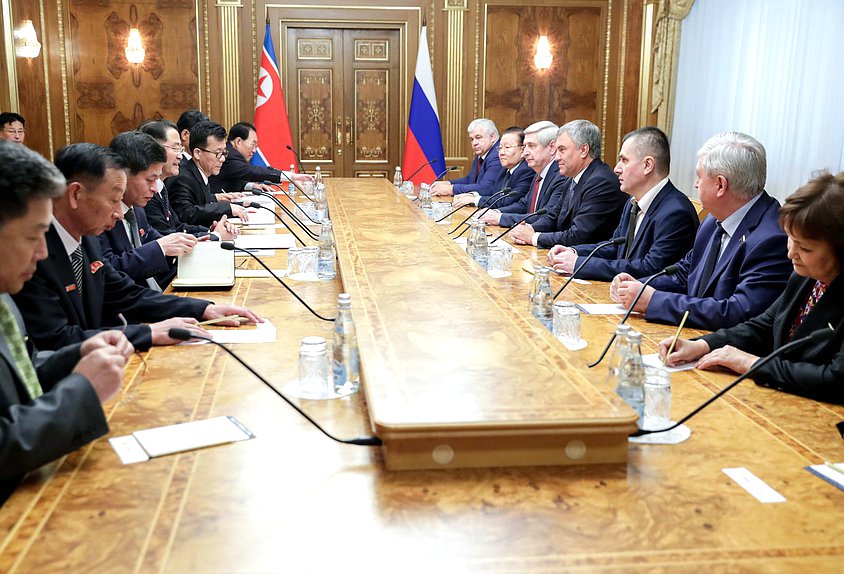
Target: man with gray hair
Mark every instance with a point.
(486, 167)
(589, 205)
(546, 185)
(738, 264)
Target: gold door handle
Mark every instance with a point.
(338, 135)
(350, 136)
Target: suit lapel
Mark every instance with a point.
(828, 309)
(206, 191)
(649, 216)
(60, 263)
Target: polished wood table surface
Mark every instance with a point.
(293, 501)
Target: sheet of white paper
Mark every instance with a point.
(189, 436)
(754, 485)
(258, 217)
(268, 241)
(652, 360)
(250, 229)
(261, 333)
(259, 273)
(256, 253)
(262, 199)
(602, 309)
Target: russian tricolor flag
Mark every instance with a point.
(424, 142)
(271, 121)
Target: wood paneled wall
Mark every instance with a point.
(205, 53)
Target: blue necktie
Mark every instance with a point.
(711, 259)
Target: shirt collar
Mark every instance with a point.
(544, 171)
(70, 244)
(159, 185)
(649, 196)
(732, 222)
(513, 169)
(202, 173)
(579, 175)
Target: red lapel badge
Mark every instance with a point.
(142, 231)
(70, 288)
(95, 266)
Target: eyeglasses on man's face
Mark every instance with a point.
(218, 154)
(178, 148)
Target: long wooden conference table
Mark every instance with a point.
(453, 364)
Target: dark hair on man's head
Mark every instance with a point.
(190, 118)
(87, 161)
(241, 130)
(139, 150)
(25, 175)
(10, 117)
(200, 133)
(157, 129)
(816, 211)
(652, 141)
(520, 132)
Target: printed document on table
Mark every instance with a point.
(261, 333)
(602, 308)
(652, 360)
(269, 241)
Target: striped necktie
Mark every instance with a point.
(14, 340)
(76, 264)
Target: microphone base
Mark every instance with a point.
(674, 436)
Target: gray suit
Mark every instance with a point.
(34, 432)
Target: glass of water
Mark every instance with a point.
(313, 368)
(500, 261)
(407, 188)
(567, 322)
(441, 209)
(657, 398)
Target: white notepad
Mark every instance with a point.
(268, 241)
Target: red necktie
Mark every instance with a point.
(478, 171)
(535, 195)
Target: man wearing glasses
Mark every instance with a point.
(12, 127)
(516, 174)
(190, 193)
(238, 174)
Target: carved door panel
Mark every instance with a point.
(344, 103)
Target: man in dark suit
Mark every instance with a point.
(157, 210)
(75, 293)
(237, 173)
(588, 207)
(133, 246)
(516, 173)
(50, 403)
(184, 124)
(738, 264)
(189, 192)
(658, 223)
(486, 167)
(545, 186)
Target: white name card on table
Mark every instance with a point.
(754, 485)
(151, 443)
(602, 308)
(831, 472)
(261, 333)
(269, 241)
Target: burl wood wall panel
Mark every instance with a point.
(108, 94)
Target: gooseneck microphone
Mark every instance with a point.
(497, 196)
(481, 214)
(542, 211)
(257, 205)
(614, 241)
(185, 335)
(442, 173)
(296, 155)
(286, 210)
(419, 169)
(670, 270)
(814, 336)
(232, 247)
(281, 189)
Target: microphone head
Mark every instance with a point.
(257, 192)
(618, 241)
(227, 245)
(542, 211)
(452, 168)
(671, 269)
(288, 147)
(179, 334)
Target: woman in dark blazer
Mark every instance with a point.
(813, 218)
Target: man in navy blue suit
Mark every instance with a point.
(486, 167)
(658, 223)
(515, 173)
(588, 205)
(546, 185)
(739, 261)
(133, 245)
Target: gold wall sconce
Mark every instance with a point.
(543, 58)
(26, 41)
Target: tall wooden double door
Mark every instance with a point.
(344, 105)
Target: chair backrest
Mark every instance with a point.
(701, 212)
